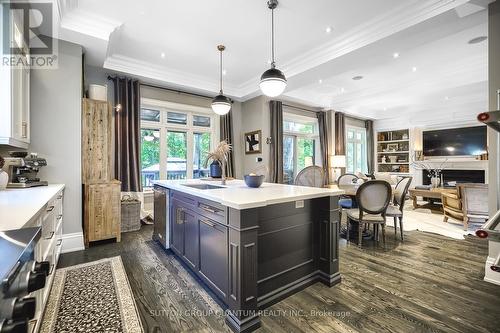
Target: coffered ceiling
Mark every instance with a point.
(321, 45)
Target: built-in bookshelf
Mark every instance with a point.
(393, 151)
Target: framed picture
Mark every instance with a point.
(253, 144)
(392, 147)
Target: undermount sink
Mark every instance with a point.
(203, 186)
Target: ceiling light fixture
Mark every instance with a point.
(328, 30)
(342, 90)
(272, 81)
(477, 40)
(358, 77)
(221, 104)
(414, 69)
(162, 55)
(395, 55)
(320, 81)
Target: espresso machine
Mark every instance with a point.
(22, 170)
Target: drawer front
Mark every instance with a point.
(188, 201)
(212, 210)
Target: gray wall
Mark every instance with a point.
(56, 128)
(494, 84)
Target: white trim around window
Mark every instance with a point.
(164, 127)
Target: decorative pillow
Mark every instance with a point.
(391, 179)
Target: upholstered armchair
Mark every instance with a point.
(469, 203)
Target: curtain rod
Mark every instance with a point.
(299, 108)
(170, 89)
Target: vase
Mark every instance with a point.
(435, 182)
(4, 179)
(215, 170)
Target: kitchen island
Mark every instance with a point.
(251, 247)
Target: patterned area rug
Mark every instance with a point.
(91, 297)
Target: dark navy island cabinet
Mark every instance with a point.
(253, 258)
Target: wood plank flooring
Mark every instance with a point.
(429, 283)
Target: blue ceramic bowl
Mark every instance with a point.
(254, 181)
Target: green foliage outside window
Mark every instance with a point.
(150, 148)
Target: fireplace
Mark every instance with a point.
(450, 177)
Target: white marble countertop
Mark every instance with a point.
(19, 206)
(236, 194)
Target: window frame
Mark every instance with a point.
(164, 127)
(356, 129)
(300, 135)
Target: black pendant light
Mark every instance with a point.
(272, 81)
(221, 104)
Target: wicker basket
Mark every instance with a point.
(131, 214)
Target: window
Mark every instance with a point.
(356, 150)
(175, 141)
(300, 145)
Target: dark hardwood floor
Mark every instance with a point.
(429, 283)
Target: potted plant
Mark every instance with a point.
(219, 157)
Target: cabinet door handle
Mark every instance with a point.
(59, 196)
(52, 233)
(59, 217)
(208, 223)
(51, 208)
(208, 209)
(180, 216)
(59, 242)
(24, 129)
(51, 270)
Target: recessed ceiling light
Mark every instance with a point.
(320, 81)
(342, 90)
(358, 77)
(162, 55)
(414, 69)
(477, 40)
(328, 30)
(385, 109)
(395, 55)
(446, 98)
(224, 72)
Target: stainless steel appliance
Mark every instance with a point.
(20, 275)
(22, 171)
(161, 211)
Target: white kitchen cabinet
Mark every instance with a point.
(15, 92)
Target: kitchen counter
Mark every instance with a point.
(252, 247)
(18, 207)
(237, 195)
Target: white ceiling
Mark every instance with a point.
(130, 36)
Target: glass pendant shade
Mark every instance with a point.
(221, 105)
(272, 82)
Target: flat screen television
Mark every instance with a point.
(455, 141)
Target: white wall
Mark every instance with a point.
(55, 101)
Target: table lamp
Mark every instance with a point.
(337, 162)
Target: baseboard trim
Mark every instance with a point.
(72, 242)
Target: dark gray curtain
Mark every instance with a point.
(226, 133)
(339, 133)
(370, 158)
(323, 141)
(276, 162)
(127, 133)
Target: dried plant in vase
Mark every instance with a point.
(220, 155)
(433, 173)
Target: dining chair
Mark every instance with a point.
(373, 198)
(346, 179)
(396, 208)
(312, 176)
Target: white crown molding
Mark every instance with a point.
(144, 69)
(394, 21)
(89, 24)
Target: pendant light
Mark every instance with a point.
(272, 81)
(221, 104)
